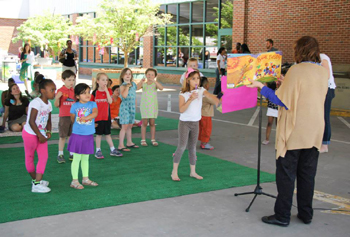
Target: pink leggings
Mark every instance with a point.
(32, 144)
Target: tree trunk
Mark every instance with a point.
(126, 58)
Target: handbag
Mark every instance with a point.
(62, 60)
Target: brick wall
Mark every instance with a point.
(286, 21)
(7, 32)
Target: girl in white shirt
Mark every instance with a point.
(35, 134)
(190, 106)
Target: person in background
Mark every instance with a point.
(220, 70)
(326, 62)
(192, 63)
(110, 82)
(70, 56)
(115, 107)
(5, 93)
(269, 46)
(238, 48)
(245, 49)
(16, 109)
(27, 58)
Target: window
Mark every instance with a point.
(184, 13)
(192, 33)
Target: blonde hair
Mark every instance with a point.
(186, 83)
(122, 74)
(193, 60)
(98, 76)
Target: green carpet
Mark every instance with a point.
(142, 174)
(162, 125)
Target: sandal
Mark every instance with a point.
(154, 142)
(88, 182)
(133, 146)
(143, 143)
(76, 185)
(123, 149)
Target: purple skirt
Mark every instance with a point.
(81, 144)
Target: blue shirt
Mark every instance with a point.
(271, 96)
(83, 110)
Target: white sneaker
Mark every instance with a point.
(44, 182)
(40, 188)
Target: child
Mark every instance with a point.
(110, 82)
(35, 88)
(81, 142)
(192, 63)
(102, 96)
(149, 105)
(64, 100)
(115, 107)
(127, 109)
(35, 134)
(190, 105)
(205, 124)
(272, 114)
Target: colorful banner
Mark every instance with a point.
(264, 67)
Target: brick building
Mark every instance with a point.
(199, 29)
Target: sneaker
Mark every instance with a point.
(40, 188)
(266, 142)
(207, 146)
(70, 157)
(43, 182)
(60, 159)
(115, 152)
(99, 155)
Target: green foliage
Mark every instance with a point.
(124, 21)
(47, 31)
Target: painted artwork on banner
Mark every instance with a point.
(263, 67)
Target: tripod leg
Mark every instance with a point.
(237, 194)
(251, 203)
(269, 195)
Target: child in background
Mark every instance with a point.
(34, 85)
(192, 63)
(81, 142)
(149, 105)
(115, 107)
(102, 96)
(190, 106)
(272, 114)
(110, 82)
(205, 124)
(127, 109)
(64, 100)
(35, 134)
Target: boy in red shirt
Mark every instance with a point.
(64, 99)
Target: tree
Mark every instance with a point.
(47, 31)
(121, 23)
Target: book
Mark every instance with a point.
(263, 67)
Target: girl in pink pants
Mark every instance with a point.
(35, 134)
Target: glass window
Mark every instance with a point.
(159, 36)
(210, 56)
(162, 9)
(172, 9)
(184, 13)
(197, 12)
(211, 35)
(183, 54)
(184, 35)
(171, 36)
(226, 14)
(226, 41)
(171, 57)
(197, 35)
(212, 11)
(159, 54)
